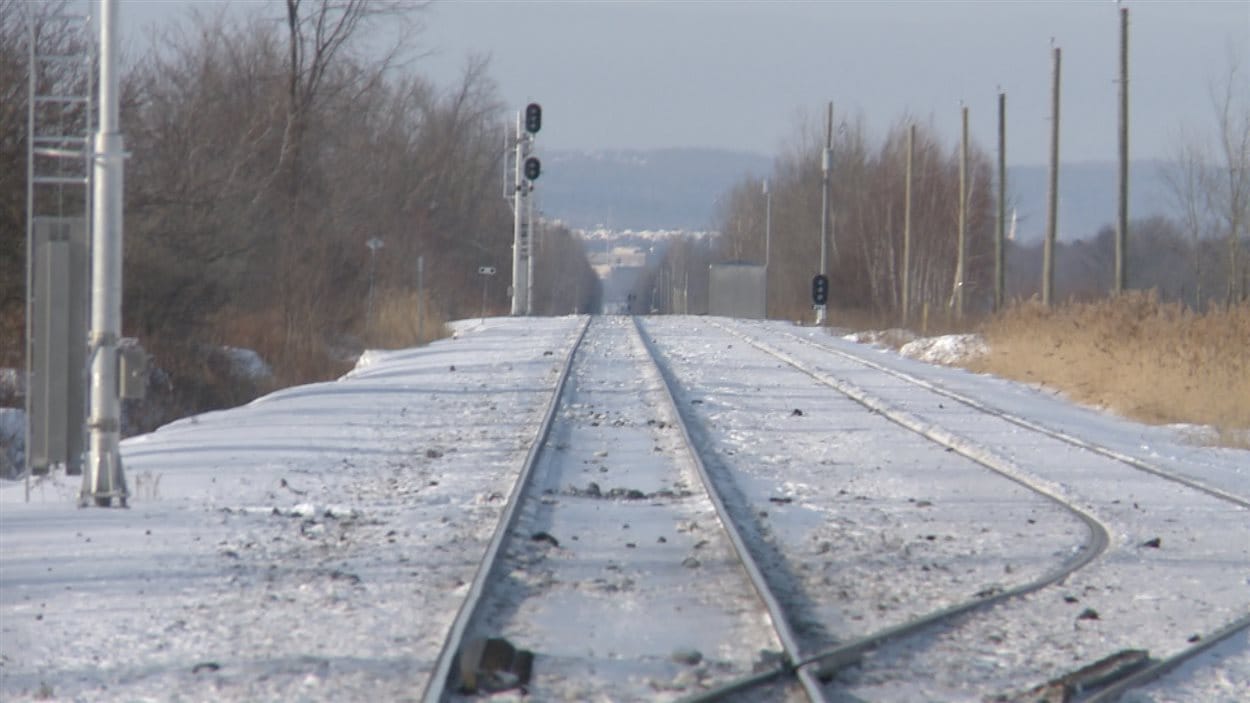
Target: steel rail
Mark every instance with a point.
(1159, 669)
(1097, 543)
(435, 686)
(789, 641)
(1139, 678)
(1031, 425)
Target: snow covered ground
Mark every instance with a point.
(316, 543)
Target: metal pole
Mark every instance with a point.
(369, 298)
(1121, 230)
(420, 297)
(482, 315)
(911, 155)
(1000, 276)
(530, 249)
(518, 210)
(30, 242)
(826, 164)
(104, 480)
(768, 240)
(768, 225)
(1052, 204)
(962, 238)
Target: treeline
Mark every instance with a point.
(283, 179)
(865, 253)
(1200, 259)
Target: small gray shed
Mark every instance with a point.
(737, 290)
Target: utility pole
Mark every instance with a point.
(826, 164)
(960, 256)
(911, 155)
(104, 482)
(1052, 200)
(1121, 226)
(1000, 267)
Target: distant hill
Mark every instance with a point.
(1087, 196)
(680, 188)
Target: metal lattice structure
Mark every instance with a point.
(60, 121)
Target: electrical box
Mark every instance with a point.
(132, 371)
(56, 399)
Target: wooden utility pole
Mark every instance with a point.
(911, 155)
(1000, 269)
(958, 296)
(1121, 228)
(1052, 200)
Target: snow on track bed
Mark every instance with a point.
(1139, 596)
(617, 550)
(313, 545)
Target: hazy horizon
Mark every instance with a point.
(745, 75)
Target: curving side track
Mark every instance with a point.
(878, 401)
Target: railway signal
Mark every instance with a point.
(533, 118)
(820, 289)
(519, 189)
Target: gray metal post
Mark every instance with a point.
(104, 480)
(768, 240)
(962, 237)
(374, 244)
(420, 297)
(1121, 229)
(518, 211)
(1052, 200)
(530, 249)
(1000, 268)
(826, 164)
(911, 155)
(30, 244)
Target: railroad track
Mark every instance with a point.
(613, 541)
(579, 572)
(1068, 438)
(1134, 667)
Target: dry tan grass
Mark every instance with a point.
(301, 356)
(394, 323)
(1151, 361)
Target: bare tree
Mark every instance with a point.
(1230, 175)
(18, 22)
(867, 201)
(1211, 185)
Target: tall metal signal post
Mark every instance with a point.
(526, 170)
(103, 481)
(83, 169)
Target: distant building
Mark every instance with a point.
(737, 290)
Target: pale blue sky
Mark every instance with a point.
(741, 75)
